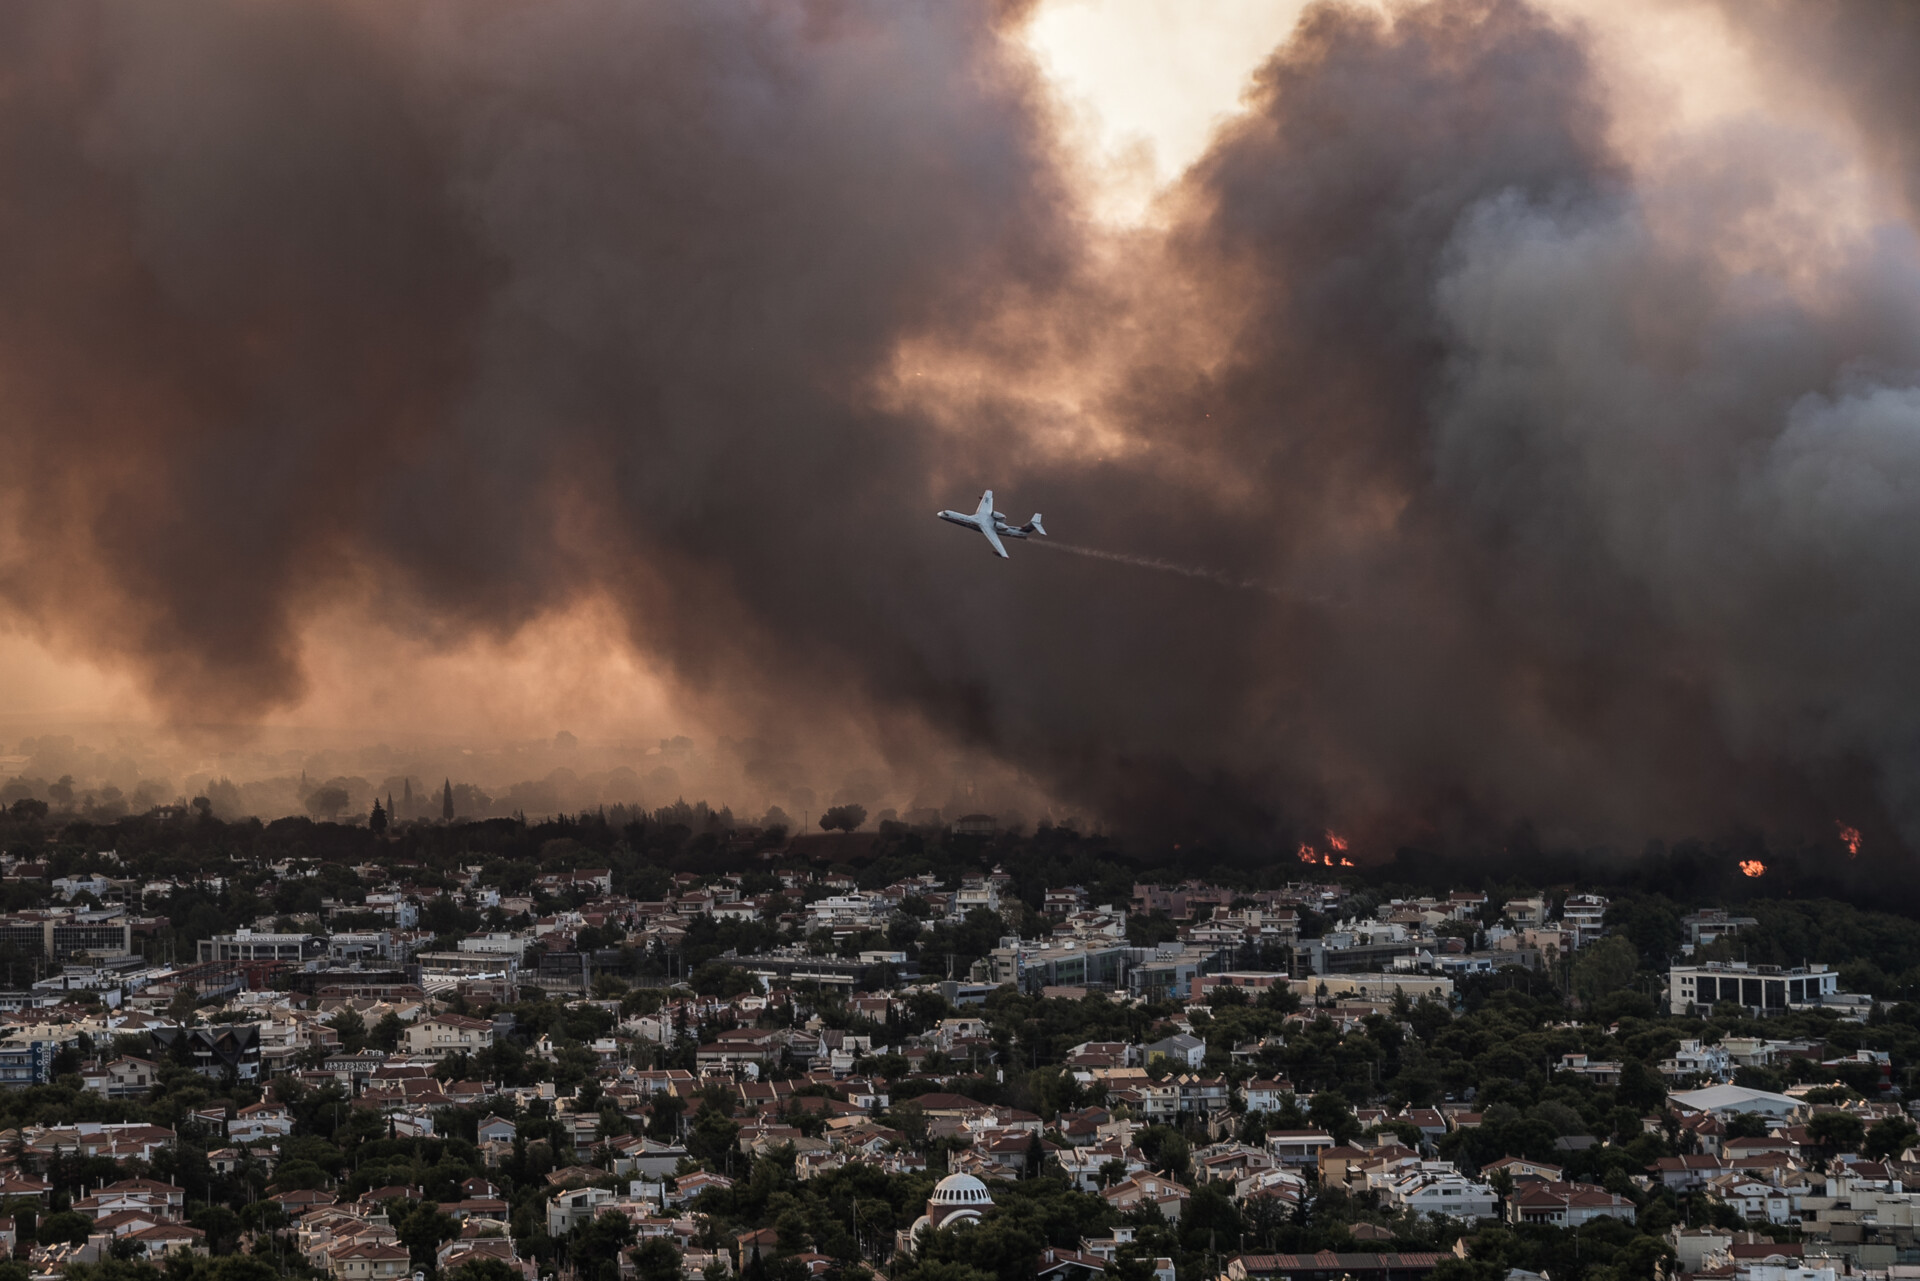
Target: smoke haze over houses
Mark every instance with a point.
(1540, 422)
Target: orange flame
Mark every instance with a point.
(1849, 837)
(1752, 867)
(1313, 857)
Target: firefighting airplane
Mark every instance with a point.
(993, 524)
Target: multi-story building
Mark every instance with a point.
(1465, 905)
(1526, 911)
(1161, 898)
(1167, 971)
(501, 944)
(1567, 1204)
(473, 964)
(1710, 925)
(249, 945)
(1375, 987)
(449, 1034)
(359, 946)
(1250, 927)
(1761, 988)
(1585, 916)
(1354, 946)
(1251, 982)
(217, 1051)
(1064, 901)
(1094, 925)
(1437, 1188)
(1181, 901)
(976, 892)
(1298, 1147)
(395, 906)
(1203, 1095)
(1266, 1094)
(1180, 1050)
(370, 1261)
(1867, 1220)
(1695, 1059)
(58, 935)
(849, 913)
(27, 1053)
(1057, 962)
(123, 1078)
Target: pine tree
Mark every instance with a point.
(377, 821)
(446, 801)
(406, 794)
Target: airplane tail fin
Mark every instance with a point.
(1035, 527)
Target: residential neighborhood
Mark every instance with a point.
(422, 1057)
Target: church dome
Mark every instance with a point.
(960, 1189)
(956, 1199)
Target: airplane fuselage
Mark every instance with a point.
(997, 523)
(992, 523)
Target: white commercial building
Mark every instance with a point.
(1761, 988)
(251, 945)
(514, 945)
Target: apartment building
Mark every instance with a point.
(1584, 916)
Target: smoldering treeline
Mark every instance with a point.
(1588, 491)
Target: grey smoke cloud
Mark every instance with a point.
(1573, 514)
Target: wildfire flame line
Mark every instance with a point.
(1313, 857)
(1752, 867)
(1849, 837)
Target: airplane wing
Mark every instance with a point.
(994, 538)
(985, 510)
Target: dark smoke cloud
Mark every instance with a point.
(1572, 501)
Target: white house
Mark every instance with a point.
(1437, 1188)
(1756, 1199)
(1147, 1189)
(1267, 1096)
(1696, 1059)
(261, 1121)
(1298, 1147)
(1567, 1205)
(123, 1078)
(580, 1205)
(449, 1034)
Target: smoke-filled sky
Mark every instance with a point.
(1532, 392)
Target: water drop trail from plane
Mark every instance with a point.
(1217, 577)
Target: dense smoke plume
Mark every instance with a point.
(1528, 476)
